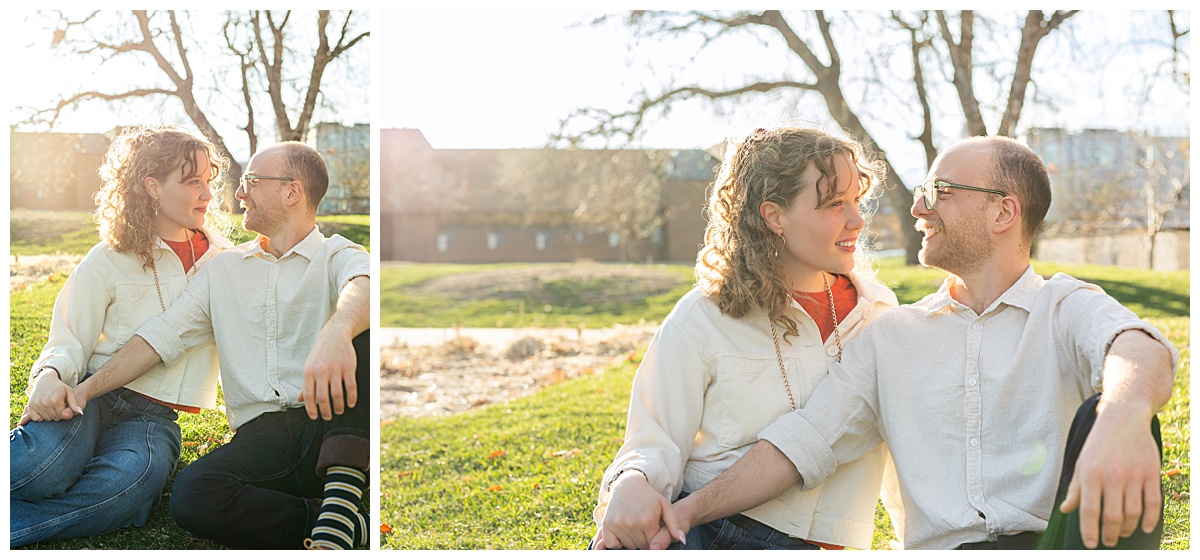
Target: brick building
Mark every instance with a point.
(463, 206)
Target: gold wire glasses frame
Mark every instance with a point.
(248, 181)
(929, 191)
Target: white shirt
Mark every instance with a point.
(975, 409)
(105, 299)
(709, 383)
(265, 314)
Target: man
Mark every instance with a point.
(286, 312)
(973, 388)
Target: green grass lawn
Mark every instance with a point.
(524, 475)
(559, 302)
(38, 232)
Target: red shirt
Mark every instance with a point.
(181, 249)
(845, 297)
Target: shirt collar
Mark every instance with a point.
(1021, 294)
(306, 248)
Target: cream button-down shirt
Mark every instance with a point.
(105, 299)
(709, 383)
(264, 313)
(975, 409)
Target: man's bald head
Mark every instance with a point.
(1018, 171)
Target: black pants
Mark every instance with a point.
(1063, 530)
(263, 489)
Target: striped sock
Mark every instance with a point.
(340, 526)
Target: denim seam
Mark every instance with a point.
(50, 461)
(90, 509)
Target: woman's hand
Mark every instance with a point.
(50, 400)
(634, 514)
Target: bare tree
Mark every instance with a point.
(269, 42)
(823, 60)
(1166, 180)
(164, 38)
(169, 52)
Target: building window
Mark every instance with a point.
(656, 236)
(493, 241)
(443, 242)
(579, 237)
(541, 241)
(614, 239)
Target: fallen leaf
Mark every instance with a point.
(385, 528)
(558, 376)
(497, 453)
(536, 485)
(495, 488)
(191, 443)
(404, 474)
(387, 423)
(1172, 472)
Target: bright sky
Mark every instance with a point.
(506, 79)
(53, 75)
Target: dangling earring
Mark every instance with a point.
(781, 239)
(155, 205)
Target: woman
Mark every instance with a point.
(781, 287)
(92, 473)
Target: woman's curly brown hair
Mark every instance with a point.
(737, 268)
(123, 209)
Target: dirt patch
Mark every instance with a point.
(575, 284)
(24, 270)
(462, 373)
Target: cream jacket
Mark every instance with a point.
(709, 383)
(104, 301)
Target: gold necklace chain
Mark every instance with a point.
(192, 248)
(837, 337)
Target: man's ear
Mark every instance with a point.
(294, 194)
(1009, 215)
(772, 214)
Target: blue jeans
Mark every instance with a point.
(91, 474)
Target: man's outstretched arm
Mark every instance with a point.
(761, 474)
(1119, 464)
(128, 364)
(329, 386)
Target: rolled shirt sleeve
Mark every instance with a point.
(186, 324)
(838, 423)
(1088, 322)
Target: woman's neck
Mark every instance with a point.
(813, 282)
(169, 231)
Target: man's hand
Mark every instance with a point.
(634, 514)
(1119, 468)
(329, 384)
(50, 400)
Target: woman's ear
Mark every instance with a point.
(772, 214)
(151, 186)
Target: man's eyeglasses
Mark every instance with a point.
(929, 191)
(250, 180)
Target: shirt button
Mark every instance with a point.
(831, 351)
(972, 382)
(271, 343)
(975, 326)
(977, 498)
(974, 442)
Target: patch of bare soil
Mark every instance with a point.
(24, 270)
(462, 374)
(588, 283)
